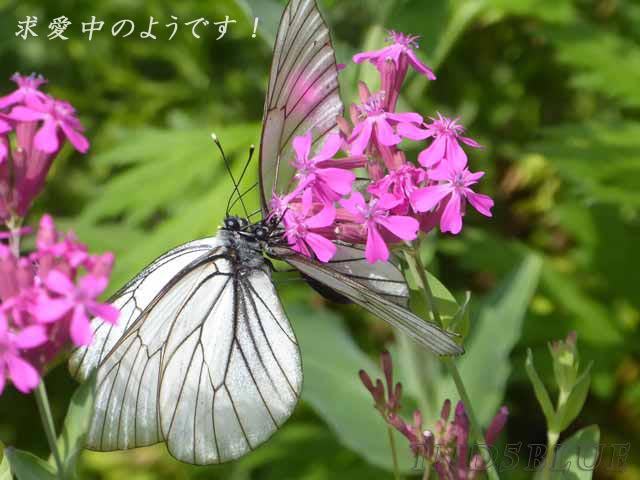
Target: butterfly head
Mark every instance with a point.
(235, 224)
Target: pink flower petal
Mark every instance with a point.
(92, 286)
(388, 201)
(361, 136)
(31, 337)
(455, 154)
(330, 148)
(385, 134)
(81, 333)
(401, 226)
(3, 380)
(407, 117)
(355, 205)
(482, 203)
(469, 141)
(22, 374)
(302, 146)
(409, 130)
(419, 66)
(51, 310)
(324, 218)
(323, 248)
(425, 199)
(11, 99)
(58, 282)
(451, 220)
(376, 248)
(338, 179)
(46, 139)
(433, 153)
(76, 139)
(25, 114)
(105, 311)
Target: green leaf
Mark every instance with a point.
(540, 390)
(576, 456)
(76, 425)
(333, 388)
(26, 466)
(486, 367)
(5, 468)
(574, 403)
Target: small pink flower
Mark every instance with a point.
(79, 301)
(454, 190)
(302, 229)
(27, 90)
(401, 183)
(375, 216)
(400, 51)
(21, 373)
(328, 178)
(378, 123)
(59, 119)
(445, 133)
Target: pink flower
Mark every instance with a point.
(400, 51)
(378, 123)
(446, 133)
(454, 190)
(401, 183)
(27, 90)
(22, 374)
(59, 119)
(79, 301)
(302, 229)
(329, 179)
(375, 216)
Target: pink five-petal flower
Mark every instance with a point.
(23, 375)
(79, 301)
(28, 86)
(59, 119)
(328, 182)
(401, 50)
(378, 123)
(302, 229)
(454, 190)
(374, 216)
(446, 134)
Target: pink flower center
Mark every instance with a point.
(374, 106)
(447, 126)
(400, 38)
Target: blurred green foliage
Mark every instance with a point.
(550, 87)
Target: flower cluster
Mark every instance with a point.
(401, 198)
(40, 124)
(47, 298)
(447, 447)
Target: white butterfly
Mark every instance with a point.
(203, 357)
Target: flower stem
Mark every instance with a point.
(47, 422)
(13, 224)
(394, 454)
(552, 440)
(420, 273)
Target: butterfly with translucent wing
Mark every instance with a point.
(203, 357)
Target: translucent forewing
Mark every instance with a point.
(303, 94)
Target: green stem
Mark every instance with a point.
(552, 441)
(42, 400)
(419, 271)
(394, 454)
(49, 428)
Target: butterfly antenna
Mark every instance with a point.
(252, 149)
(243, 194)
(236, 190)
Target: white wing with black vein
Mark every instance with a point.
(131, 300)
(303, 94)
(382, 278)
(211, 366)
(425, 333)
